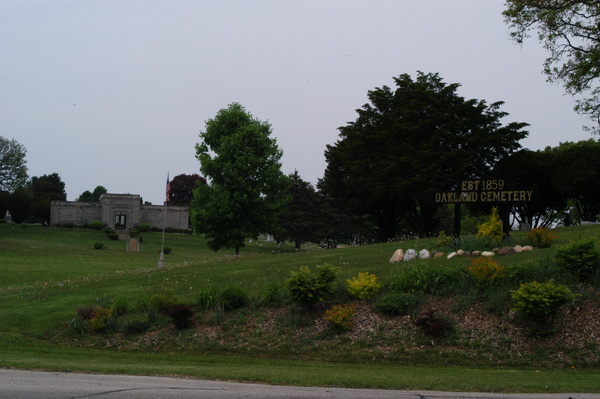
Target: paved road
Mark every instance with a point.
(16, 384)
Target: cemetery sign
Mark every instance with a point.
(492, 190)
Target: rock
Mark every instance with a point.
(476, 253)
(527, 248)
(460, 252)
(506, 251)
(439, 254)
(451, 255)
(410, 255)
(424, 254)
(488, 253)
(467, 254)
(398, 256)
(518, 249)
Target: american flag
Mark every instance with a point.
(168, 192)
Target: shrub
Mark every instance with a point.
(120, 306)
(487, 271)
(99, 318)
(579, 258)
(113, 236)
(541, 237)
(167, 250)
(309, 287)
(397, 303)
(96, 225)
(434, 325)
(181, 316)
(540, 302)
(233, 298)
(272, 294)
(340, 317)
(144, 227)
(207, 298)
(99, 245)
(443, 240)
(492, 229)
(364, 286)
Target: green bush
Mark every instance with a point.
(99, 318)
(397, 303)
(309, 287)
(272, 294)
(233, 298)
(432, 324)
(161, 302)
(487, 271)
(96, 225)
(144, 227)
(98, 245)
(207, 298)
(137, 327)
(167, 250)
(540, 302)
(364, 286)
(579, 258)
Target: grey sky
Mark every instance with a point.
(114, 93)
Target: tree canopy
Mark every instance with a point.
(44, 189)
(242, 163)
(410, 142)
(570, 31)
(182, 188)
(88, 196)
(13, 169)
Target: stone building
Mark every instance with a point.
(119, 211)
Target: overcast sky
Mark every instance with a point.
(114, 93)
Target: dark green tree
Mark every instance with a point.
(299, 220)
(44, 190)
(13, 169)
(244, 194)
(570, 31)
(534, 170)
(410, 142)
(577, 176)
(88, 196)
(182, 188)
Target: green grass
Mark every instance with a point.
(47, 273)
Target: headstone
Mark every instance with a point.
(524, 226)
(133, 244)
(8, 217)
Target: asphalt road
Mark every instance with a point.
(17, 384)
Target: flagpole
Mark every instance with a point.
(161, 259)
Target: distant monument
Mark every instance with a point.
(118, 211)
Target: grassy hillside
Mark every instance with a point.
(47, 274)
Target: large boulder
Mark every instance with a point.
(424, 254)
(506, 251)
(410, 255)
(398, 256)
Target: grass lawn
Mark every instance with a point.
(48, 273)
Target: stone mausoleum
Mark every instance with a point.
(119, 211)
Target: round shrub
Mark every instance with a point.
(309, 287)
(181, 316)
(137, 327)
(579, 258)
(144, 227)
(167, 250)
(98, 245)
(397, 303)
(540, 302)
(487, 271)
(233, 298)
(364, 286)
(340, 317)
(96, 225)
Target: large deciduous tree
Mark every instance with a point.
(244, 194)
(182, 188)
(13, 169)
(410, 142)
(570, 31)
